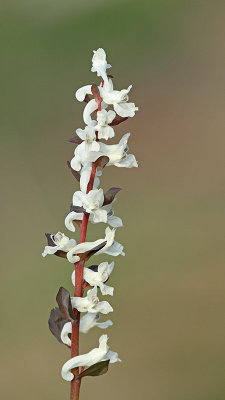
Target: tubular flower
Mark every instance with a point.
(99, 63)
(117, 154)
(105, 107)
(92, 203)
(111, 247)
(59, 242)
(104, 213)
(119, 99)
(94, 356)
(104, 118)
(91, 303)
(87, 322)
(97, 278)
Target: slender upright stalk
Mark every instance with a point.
(90, 203)
(78, 291)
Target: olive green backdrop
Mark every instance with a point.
(169, 289)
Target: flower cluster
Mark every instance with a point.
(90, 203)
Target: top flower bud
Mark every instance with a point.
(99, 63)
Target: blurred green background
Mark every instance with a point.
(169, 289)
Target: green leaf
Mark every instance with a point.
(95, 370)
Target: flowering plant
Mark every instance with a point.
(91, 204)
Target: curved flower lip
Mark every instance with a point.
(101, 353)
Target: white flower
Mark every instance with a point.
(99, 63)
(87, 322)
(61, 241)
(112, 220)
(85, 153)
(92, 203)
(97, 278)
(91, 303)
(104, 118)
(111, 247)
(117, 153)
(118, 98)
(84, 150)
(89, 137)
(101, 353)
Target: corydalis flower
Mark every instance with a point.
(97, 278)
(104, 118)
(88, 136)
(101, 353)
(99, 63)
(91, 303)
(59, 242)
(117, 154)
(92, 203)
(98, 211)
(119, 99)
(111, 247)
(87, 322)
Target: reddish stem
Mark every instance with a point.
(78, 291)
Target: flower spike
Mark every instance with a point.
(105, 108)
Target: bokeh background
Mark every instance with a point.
(169, 297)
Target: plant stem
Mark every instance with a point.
(78, 291)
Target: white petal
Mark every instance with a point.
(115, 250)
(112, 356)
(50, 250)
(106, 132)
(106, 290)
(81, 93)
(67, 328)
(87, 360)
(88, 110)
(128, 162)
(88, 321)
(76, 163)
(125, 109)
(103, 307)
(104, 325)
(70, 218)
(100, 215)
(111, 267)
(92, 293)
(115, 222)
(82, 304)
(72, 258)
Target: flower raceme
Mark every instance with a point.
(108, 108)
